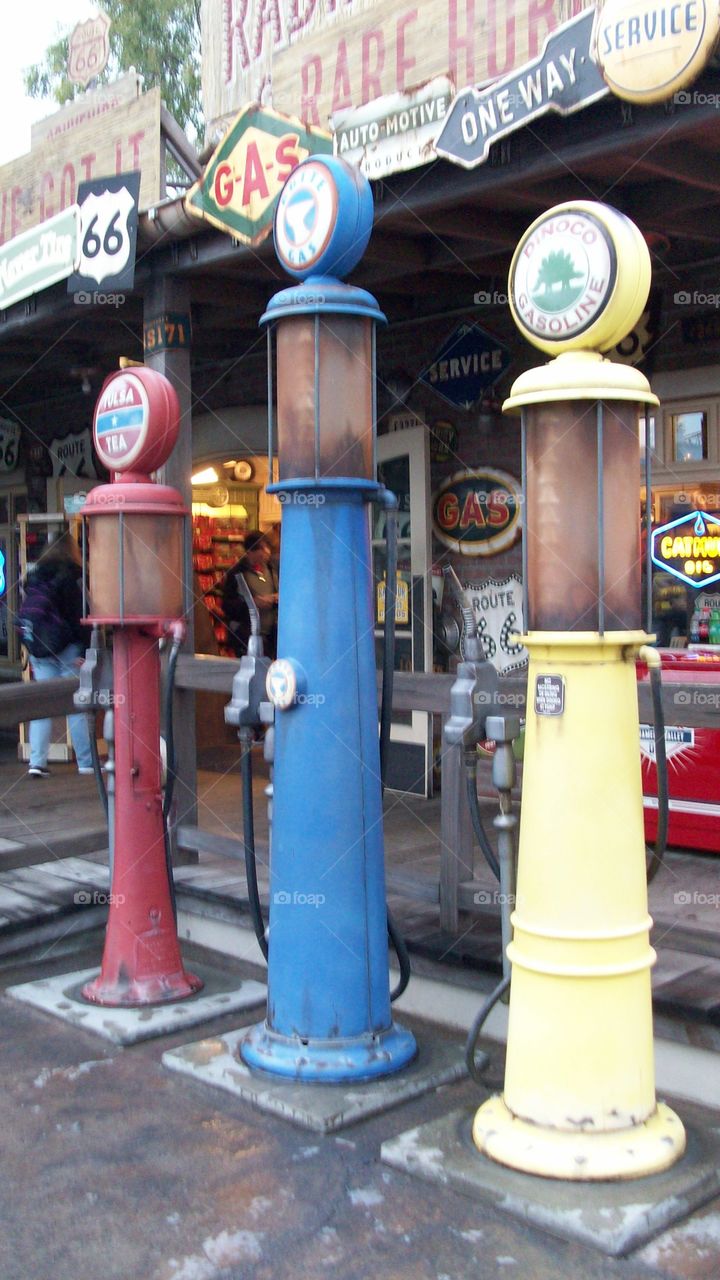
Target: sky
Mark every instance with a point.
(26, 34)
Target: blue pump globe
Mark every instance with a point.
(323, 219)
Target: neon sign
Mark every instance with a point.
(3, 582)
(689, 548)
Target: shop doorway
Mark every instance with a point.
(404, 467)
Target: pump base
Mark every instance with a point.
(142, 991)
(649, 1147)
(362, 1057)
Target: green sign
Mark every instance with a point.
(239, 189)
(40, 257)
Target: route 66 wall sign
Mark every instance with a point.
(108, 233)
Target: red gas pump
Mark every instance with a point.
(134, 540)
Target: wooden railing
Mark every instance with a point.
(695, 705)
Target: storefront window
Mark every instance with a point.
(689, 436)
(646, 431)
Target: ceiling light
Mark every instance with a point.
(208, 476)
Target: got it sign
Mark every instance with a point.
(239, 189)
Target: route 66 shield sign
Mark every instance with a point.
(88, 49)
(108, 233)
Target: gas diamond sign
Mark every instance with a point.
(239, 189)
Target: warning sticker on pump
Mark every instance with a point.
(549, 695)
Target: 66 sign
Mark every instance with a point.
(108, 232)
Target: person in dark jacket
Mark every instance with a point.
(261, 577)
(59, 567)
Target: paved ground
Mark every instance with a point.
(114, 1168)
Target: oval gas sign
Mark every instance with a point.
(477, 513)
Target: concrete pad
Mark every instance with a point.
(324, 1108)
(61, 996)
(615, 1217)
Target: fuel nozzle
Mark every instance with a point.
(474, 693)
(248, 691)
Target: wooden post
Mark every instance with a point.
(166, 308)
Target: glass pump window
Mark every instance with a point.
(689, 436)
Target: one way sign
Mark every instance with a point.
(563, 78)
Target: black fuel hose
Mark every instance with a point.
(246, 741)
(474, 1066)
(388, 679)
(97, 766)
(170, 768)
(474, 806)
(656, 855)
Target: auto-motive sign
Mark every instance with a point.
(239, 190)
(394, 133)
(689, 548)
(477, 513)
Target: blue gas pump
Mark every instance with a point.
(328, 1012)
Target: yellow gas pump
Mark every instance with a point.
(579, 1096)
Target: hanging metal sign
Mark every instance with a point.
(396, 132)
(108, 232)
(9, 444)
(648, 50)
(239, 190)
(40, 257)
(89, 49)
(564, 79)
(469, 362)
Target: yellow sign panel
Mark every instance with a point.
(239, 189)
(648, 50)
(402, 602)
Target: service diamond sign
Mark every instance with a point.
(469, 362)
(239, 189)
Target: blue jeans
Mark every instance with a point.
(63, 664)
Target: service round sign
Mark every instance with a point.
(579, 278)
(648, 50)
(122, 417)
(323, 218)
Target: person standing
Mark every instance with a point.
(50, 628)
(261, 577)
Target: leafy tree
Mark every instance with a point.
(160, 38)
